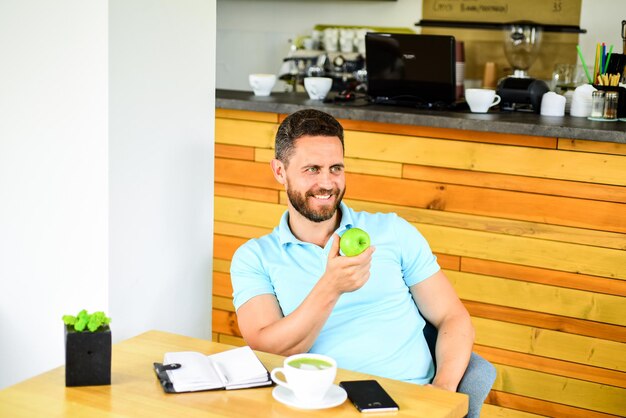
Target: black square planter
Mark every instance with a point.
(87, 357)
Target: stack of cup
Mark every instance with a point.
(581, 101)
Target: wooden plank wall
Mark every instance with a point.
(530, 230)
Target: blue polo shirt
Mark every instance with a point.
(376, 329)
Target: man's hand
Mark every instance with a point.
(347, 274)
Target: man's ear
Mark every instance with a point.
(279, 171)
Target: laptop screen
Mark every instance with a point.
(410, 68)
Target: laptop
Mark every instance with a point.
(411, 70)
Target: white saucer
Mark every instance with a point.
(336, 396)
(602, 119)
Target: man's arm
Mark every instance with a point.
(264, 327)
(440, 305)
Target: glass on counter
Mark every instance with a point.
(610, 105)
(563, 78)
(597, 104)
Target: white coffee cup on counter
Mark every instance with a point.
(308, 376)
(318, 87)
(553, 104)
(480, 100)
(262, 84)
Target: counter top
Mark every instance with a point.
(495, 121)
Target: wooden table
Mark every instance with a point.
(135, 391)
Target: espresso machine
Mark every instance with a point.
(346, 69)
(519, 91)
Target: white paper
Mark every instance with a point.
(231, 369)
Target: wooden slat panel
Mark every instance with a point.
(539, 297)
(447, 133)
(502, 226)
(537, 275)
(526, 251)
(564, 165)
(541, 320)
(592, 214)
(547, 343)
(214, 336)
(263, 155)
(234, 151)
(557, 367)
(573, 392)
(245, 173)
(241, 231)
(222, 285)
(221, 266)
(229, 339)
(245, 192)
(592, 146)
(246, 115)
(247, 133)
(223, 303)
(516, 183)
(449, 262)
(538, 406)
(491, 411)
(248, 212)
(224, 246)
(225, 323)
(372, 167)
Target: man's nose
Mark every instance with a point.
(325, 180)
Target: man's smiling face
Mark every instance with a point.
(315, 177)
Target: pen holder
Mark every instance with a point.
(621, 100)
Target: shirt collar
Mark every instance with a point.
(286, 236)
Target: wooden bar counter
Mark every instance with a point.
(526, 214)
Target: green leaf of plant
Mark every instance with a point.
(93, 325)
(95, 321)
(83, 315)
(80, 324)
(84, 320)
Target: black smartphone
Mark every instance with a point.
(369, 396)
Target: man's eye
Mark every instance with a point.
(336, 169)
(312, 169)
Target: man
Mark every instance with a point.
(295, 293)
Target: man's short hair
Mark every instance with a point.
(307, 122)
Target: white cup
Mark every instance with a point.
(553, 104)
(318, 87)
(346, 44)
(480, 100)
(308, 376)
(262, 84)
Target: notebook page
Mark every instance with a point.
(240, 365)
(195, 373)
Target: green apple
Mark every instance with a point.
(354, 241)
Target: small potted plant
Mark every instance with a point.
(87, 349)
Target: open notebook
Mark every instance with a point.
(190, 371)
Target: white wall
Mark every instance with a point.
(253, 35)
(161, 117)
(53, 176)
(79, 174)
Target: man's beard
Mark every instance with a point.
(299, 202)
